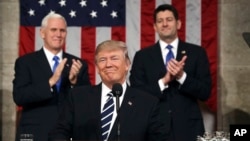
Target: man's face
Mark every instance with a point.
(166, 25)
(54, 34)
(112, 66)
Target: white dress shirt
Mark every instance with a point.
(165, 51)
(50, 56)
(105, 91)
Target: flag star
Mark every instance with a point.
(104, 3)
(31, 12)
(93, 14)
(114, 14)
(41, 2)
(62, 3)
(83, 3)
(72, 13)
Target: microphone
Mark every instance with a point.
(117, 89)
(117, 92)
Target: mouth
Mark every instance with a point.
(109, 72)
(165, 29)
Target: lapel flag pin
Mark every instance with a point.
(130, 103)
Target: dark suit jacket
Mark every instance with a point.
(179, 107)
(31, 90)
(139, 117)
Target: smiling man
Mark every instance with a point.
(175, 72)
(83, 116)
(43, 79)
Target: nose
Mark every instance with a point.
(58, 33)
(108, 63)
(165, 22)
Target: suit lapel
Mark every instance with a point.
(65, 73)
(181, 51)
(157, 61)
(156, 55)
(43, 63)
(66, 69)
(127, 113)
(128, 107)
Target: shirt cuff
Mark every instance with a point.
(161, 85)
(182, 79)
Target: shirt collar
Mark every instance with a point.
(106, 90)
(50, 55)
(163, 44)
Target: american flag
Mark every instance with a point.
(93, 21)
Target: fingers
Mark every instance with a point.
(58, 72)
(76, 66)
(167, 78)
(183, 59)
(74, 70)
(176, 67)
(62, 63)
(60, 67)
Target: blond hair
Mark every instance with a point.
(110, 45)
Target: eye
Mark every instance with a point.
(159, 20)
(115, 58)
(101, 60)
(53, 29)
(170, 19)
(62, 30)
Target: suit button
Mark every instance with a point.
(169, 111)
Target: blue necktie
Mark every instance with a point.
(56, 59)
(106, 116)
(170, 54)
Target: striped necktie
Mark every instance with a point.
(106, 116)
(58, 83)
(170, 54)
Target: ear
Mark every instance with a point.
(154, 27)
(178, 24)
(97, 69)
(128, 64)
(42, 34)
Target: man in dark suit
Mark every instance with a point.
(180, 82)
(34, 85)
(138, 115)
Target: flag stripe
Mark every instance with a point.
(210, 42)
(118, 33)
(133, 30)
(88, 49)
(73, 46)
(147, 31)
(193, 22)
(181, 8)
(26, 43)
(38, 40)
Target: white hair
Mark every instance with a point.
(49, 16)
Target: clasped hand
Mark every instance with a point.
(74, 71)
(174, 70)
